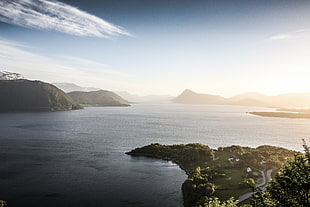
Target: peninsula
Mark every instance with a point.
(222, 172)
(291, 115)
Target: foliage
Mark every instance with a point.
(98, 98)
(215, 202)
(291, 186)
(198, 186)
(250, 182)
(269, 156)
(211, 174)
(183, 154)
(2, 203)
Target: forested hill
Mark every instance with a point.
(222, 172)
(26, 95)
(98, 98)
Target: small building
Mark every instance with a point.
(231, 160)
(248, 169)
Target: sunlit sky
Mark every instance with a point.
(160, 47)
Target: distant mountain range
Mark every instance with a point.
(69, 87)
(292, 100)
(98, 98)
(145, 99)
(26, 95)
(132, 98)
(91, 96)
(19, 94)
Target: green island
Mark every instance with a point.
(292, 115)
(217, 176)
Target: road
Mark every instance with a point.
(262, 186)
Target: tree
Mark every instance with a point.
(251, 183)
(215, 202)
(2, 203)
(291, 186)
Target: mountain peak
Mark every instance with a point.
(188, 91)
(5, 75)
(190, 97)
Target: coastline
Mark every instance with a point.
(159, 157)
(216, 172)
(289, 115)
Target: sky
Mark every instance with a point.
(146, 47)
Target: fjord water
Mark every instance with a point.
(77, 158)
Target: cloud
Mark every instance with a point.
(14, 57)
(291, 35)
(91, 66)
(55, 15)
(281, 37)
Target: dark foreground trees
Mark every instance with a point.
(2, 203)
(291, 186)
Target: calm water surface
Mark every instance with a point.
(76, 158)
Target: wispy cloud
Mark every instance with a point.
(91, 66)
(281, 37)
(55, 15)
(15, 57)
(291, 35)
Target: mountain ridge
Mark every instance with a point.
(295, 100)
(98, 98)
(24, 95)
(70, 87)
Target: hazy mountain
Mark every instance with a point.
(250, 99)
(98, 98)
(191, 97)
(298, 100)
(142, 99)
(69, 87)
(26, 95)
(250, 95)
(292, 100)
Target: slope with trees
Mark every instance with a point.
(98, 98)
(26, 95)
(217, 173)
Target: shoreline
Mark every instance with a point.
(159, 157)
(289, 115)
(207, 168)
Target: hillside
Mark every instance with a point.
(289, 100)
(26, 95)
(219, 172)
(98, 98)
